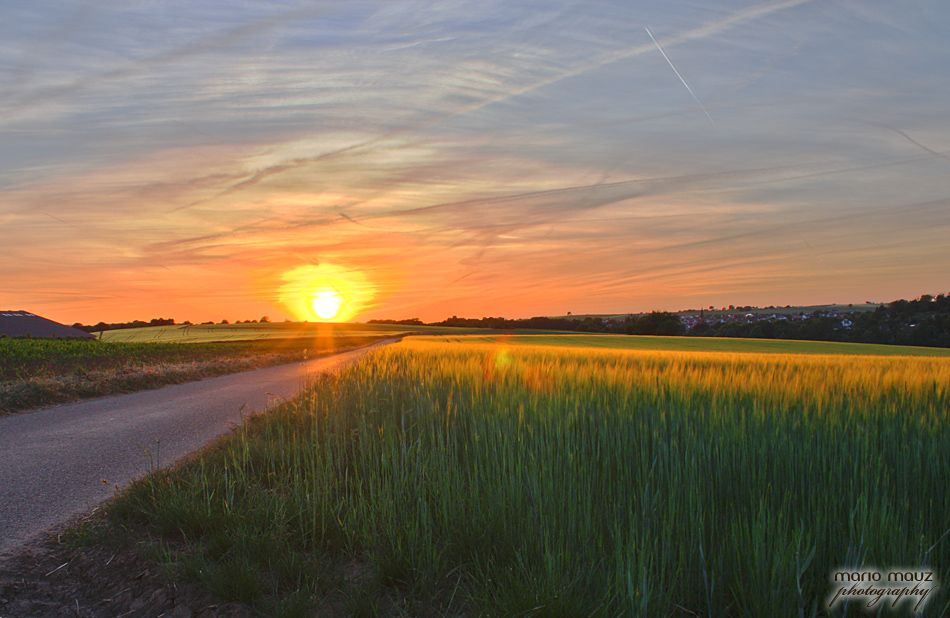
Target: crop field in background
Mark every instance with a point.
(253, 332)
(37, 371)
(250, 332)
(501, 478)
(707, 344)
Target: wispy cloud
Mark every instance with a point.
(201, 45)
(471, 158)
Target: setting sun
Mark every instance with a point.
(327, 305)
(325, 292)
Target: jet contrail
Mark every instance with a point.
(672, 66)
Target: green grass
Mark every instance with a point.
(701, 344)
(232, 333)
(500, 479)
(37, 372)
(24, 358)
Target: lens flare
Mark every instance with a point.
(327, 305)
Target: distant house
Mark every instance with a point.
(23, 323)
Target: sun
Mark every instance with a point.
(327, 305)
(325, 293)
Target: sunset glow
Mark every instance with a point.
(327, 305)
(324, 292)
(217, 160)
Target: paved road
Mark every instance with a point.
(53, 460)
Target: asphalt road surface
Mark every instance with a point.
(62, 461)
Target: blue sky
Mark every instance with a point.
(218, 159)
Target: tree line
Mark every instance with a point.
(656, 323)
(924, 321)
(103, 326)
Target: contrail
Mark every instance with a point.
(699, 33)
(942, 155)
(682, 79)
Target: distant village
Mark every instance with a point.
(691, 318)
(737, 315)
(924, 321)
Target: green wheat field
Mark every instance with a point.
(569, 477)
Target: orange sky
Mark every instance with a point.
(470, 159)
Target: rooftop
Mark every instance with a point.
(21, 323)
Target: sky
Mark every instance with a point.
(231, 160)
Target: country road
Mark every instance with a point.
(61, 461)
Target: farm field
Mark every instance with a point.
(252, 332)
(704, 344)
(544, 476)
(35, 372)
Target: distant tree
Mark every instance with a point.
(407, 322)
(224, 322)
(657, 323)
(265, 320)
(590, 325)
(701, 329)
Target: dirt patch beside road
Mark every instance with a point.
(51, 578)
